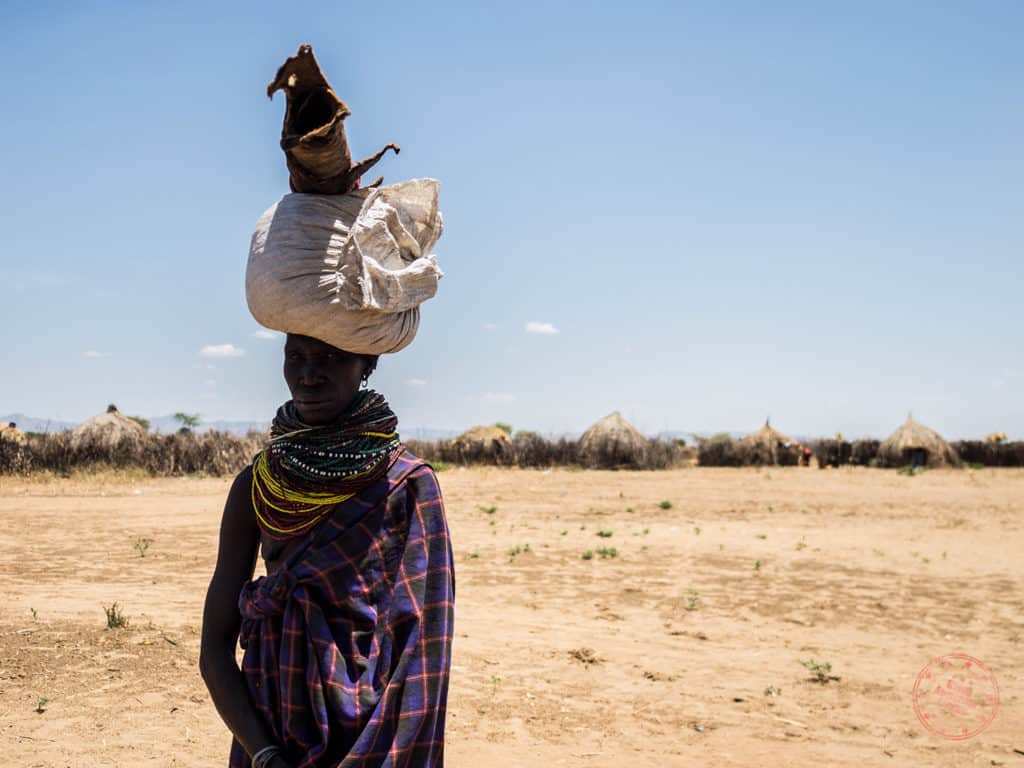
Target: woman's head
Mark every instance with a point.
(323, 379)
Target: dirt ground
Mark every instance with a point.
(682, 649)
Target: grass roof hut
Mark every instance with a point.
(769, 446)
(483, 445)
(12, 434)
(613, 442)
(107, 431)
(916, 445)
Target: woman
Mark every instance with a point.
(348, 637)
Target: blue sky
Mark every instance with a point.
(726, 210)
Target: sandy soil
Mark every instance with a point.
(680, 650)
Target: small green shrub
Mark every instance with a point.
(821, 671)
(141, 545)
(517, 549)
(665, 504)
(115, 618)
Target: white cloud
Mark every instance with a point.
(210, 382)
(490, 327)
(266, 335)
(499, 397)
(417, 382)
(545, 329)
(92, 353)
(221, 350)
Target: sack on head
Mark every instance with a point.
(350, 270)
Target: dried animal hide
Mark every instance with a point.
(313, 135)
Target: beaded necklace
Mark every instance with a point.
(306, 471)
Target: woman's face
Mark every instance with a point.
(323, 379)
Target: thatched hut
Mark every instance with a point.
(14, 455)
(613, 442)
(489, 445)
(915, 445)
(10, 433)
(769, 446)
(107, 431)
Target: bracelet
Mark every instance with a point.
(262, 758)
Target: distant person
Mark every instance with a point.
(348, 637)
(806, 457)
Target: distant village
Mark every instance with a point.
(180, 445)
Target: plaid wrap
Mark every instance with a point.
(348, 644)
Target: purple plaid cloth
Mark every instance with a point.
(348, 644)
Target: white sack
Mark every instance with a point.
(350, 270)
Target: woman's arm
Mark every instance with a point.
(236, 558)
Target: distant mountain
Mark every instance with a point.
(689, 437)
(163, 424)
(426, 433)
(168, 424)
(692, 437)
(35, 424)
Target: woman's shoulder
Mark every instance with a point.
(243, 479)
(408, 464)
(410, 472)
(414, 496)
(240, 491)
